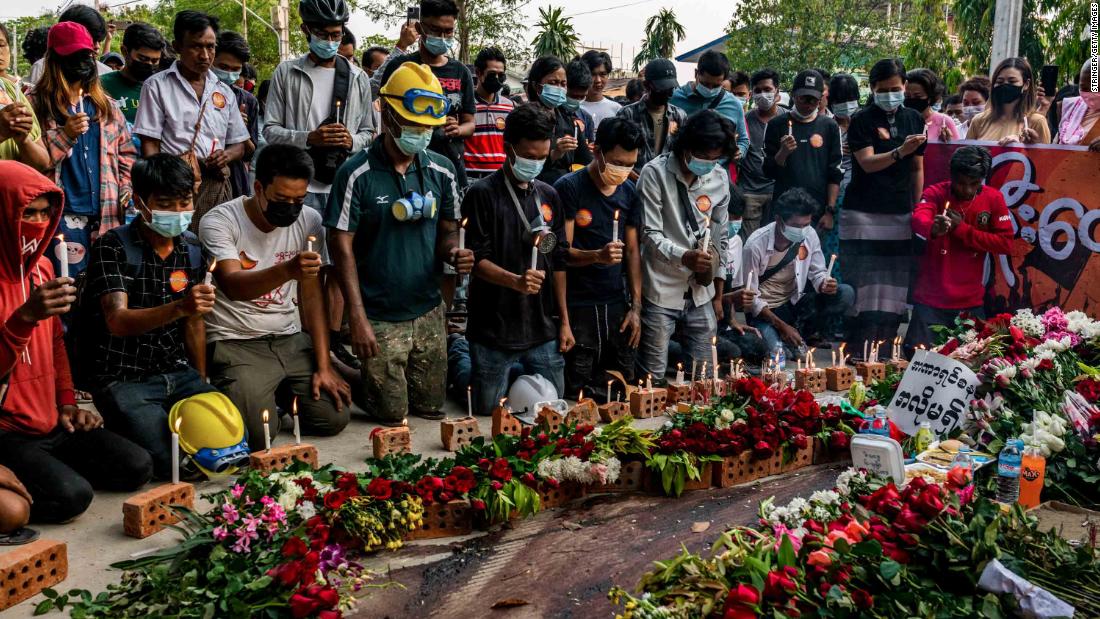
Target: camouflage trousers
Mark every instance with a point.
(410, 372)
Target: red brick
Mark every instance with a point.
(584, 413)
(391, 441)
(802, 458)
(680, 392)
(775, 378)
(26, 570)
(549, 418)
(631, 478)
(811, 379)
(566, 492)
(706, 476)
(445, 520)
(146, 513)
(897, 365)
(701, 391)
(612, 411)
(870, 371)
(279, 457)
(734, 470)
(839, 378)
(457, 433)
(505, 423)
(645, 403)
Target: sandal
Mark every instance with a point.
(19, 537)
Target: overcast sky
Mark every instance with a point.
(604, 22)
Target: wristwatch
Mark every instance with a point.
(830, 209)
(896, 154)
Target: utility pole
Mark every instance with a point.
(1006, 31)
(244, 19)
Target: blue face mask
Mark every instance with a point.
(438, 46)
(793, 234)
(525, 170)
(733, 228)
(845, 109)
(707, 93)
(889, 101)
(226, 77)
(323, 48)
(170, 224)
(571, 105)
(552, 96)
(701, 167)
(413, 141)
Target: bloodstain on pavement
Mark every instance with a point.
(552, 568)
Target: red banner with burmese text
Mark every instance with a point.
(1053, 193)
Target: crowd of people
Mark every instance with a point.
(176, 229)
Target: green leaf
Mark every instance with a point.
(43, 607)
(259, 583)
(869, 548)
(890, 572)
(786, 552)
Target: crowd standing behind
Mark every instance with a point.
(180, 238)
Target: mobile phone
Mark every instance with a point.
(412, 14)
(1048, 77)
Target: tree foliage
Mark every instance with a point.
(662, 33)
(556, 36)
(929, 44)
(1051, 31)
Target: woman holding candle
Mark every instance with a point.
(1011, 115)
(88, 142)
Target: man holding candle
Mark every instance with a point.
(268, 290)
(55, 448)
(142, 310)
(963, 220)
(786, 255)
(512, 305)
(602, 213)
(392, 218)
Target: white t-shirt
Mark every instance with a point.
(227, 233)
(324, 83)
(599, 110)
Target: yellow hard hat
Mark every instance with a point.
(211, 431)
(413, 91)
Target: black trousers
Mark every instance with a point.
(600, 346)
(61, 469)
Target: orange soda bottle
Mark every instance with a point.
(1032, 472)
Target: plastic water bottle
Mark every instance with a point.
(962, 460)
(1009, 462)
(878, 424)
(780, 356)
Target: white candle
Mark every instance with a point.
(714, 356)
(866, 350)
(790, 127)
(703, 373)
(176, 451)
(338, 111)
(694, 367)
(63, 251)
(731, 368)
(535, 254)
(297, 426)
(649, 382)
(309, 243)
(840, 354)
(609, 391)
(706, 234)
(832, 262)
(462, 235)
(267, 432)
(751, 281)
(679, 373)
(469, 401)
(615, 228)
(800, 365)
(209, 279)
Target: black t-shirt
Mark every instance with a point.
(458, 87)
(889, 190)
(815, 162)
(593, 215)
(577, 124)
(502, 318)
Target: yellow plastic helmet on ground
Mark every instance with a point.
(413, 91)
(211, 431)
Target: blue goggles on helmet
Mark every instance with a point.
(423, 102)
(220, 459)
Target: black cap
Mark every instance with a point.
(662, 74)
(808, 82)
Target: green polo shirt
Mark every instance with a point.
(124, 90)
(398, 274)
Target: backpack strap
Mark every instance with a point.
(194, 251)
(134, 258)
(714, 103)
(779, 266)
(341, 85)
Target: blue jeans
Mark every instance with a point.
(697, 326)
(138, 410)
(808, 316)
(490, 379)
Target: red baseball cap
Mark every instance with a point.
(69, 37)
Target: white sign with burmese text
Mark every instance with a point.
(934, 389)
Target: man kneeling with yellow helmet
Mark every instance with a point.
(392, 219)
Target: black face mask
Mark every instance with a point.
(1007, 93)
(78, 68)
(142, 71)
(660, 97)
(282, 214)
(492, 82)
(916, 104)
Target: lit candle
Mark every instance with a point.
(297, 426)
(267, 432)
(703, 374)
(338, 111)
(840, 355)
(649, 382)
(580, 396)
(176, 451)
(731, 368)
(469, 401)
(209, 280)
(832, 262)
(714, 356)
(679, 373)
(609, 391)
(790, 127)
(63, 251)
(462, 235)
(866, 350)
(535, 254)
(508, 408)
(615, 228)
(810, 365)
(309, 243)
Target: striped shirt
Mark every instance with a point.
(485, 148)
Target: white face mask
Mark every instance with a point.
(764, 100)
(970, 111)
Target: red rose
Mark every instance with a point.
(949, 347)
(287, 574)
(477, 504)
(484, 464)
(501, 470)
(958, 477)
(428, 486)
(329, 614)
(529, 480)
(740, 602)
(328, 597)
(496, 485)
(862, 599)
(335, 499)
(909, 520)
(347, 481)
(778, 586)
(461, 480)
(839, 440)
(294, 547)
(800, 441)
(929, 503)
(380, 488)
(302, 606)
(1045, 364)
(762, 450)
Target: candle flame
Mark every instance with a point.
(580, 396)
(213, 263)
(311, 238)
(713, 341)
(537, 237)
(337, 103)
(265, 415)
(176, 426)
(61, 238)
(464, 220)
(616, 214)
(679, 366)
(294, 408)
(842, 346)
(404, 422)
(502, 402)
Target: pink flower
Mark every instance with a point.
(220, 533)
(237, 491)
(781, 531)
(836, 535)
(820, 557)
(230, 513)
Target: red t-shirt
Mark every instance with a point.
(950, 272)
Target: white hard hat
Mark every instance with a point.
(528, 391)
